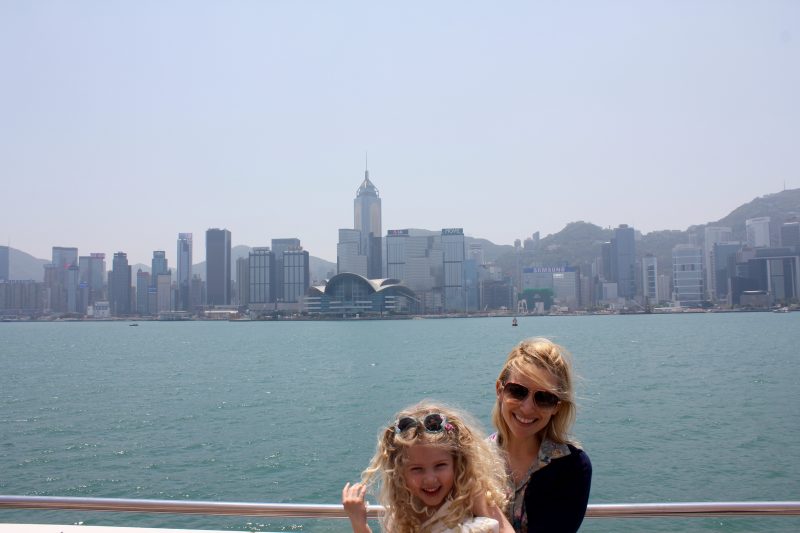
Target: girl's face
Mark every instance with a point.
(525, 418)
(429, 474)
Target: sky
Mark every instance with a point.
(123, 124)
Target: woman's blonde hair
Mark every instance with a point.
(479, 470)
(541, 353)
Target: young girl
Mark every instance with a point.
(438, 474)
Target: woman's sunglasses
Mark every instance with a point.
(431, 423)
(542, 398)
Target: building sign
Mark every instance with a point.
(453, 231)
(547, 270)
(396, 232)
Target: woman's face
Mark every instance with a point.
(526, 419)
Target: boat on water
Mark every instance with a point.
(514, 322)
(134, 324)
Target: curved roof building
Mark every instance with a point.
(349, 294)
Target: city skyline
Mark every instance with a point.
(125, 125)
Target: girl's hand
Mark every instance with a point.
(480, 507)
(355, 506)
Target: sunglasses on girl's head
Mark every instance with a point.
(541, 398)
(432, 423)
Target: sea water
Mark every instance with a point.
(672, 408)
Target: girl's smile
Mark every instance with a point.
(429, 474)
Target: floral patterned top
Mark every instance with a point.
(516, 513)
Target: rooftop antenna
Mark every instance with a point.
(366, 164)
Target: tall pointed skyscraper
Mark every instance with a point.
(368, 221)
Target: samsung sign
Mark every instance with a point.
(397, 232)
(453, 231)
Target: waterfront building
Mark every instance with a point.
(119, 285)
(712, 236)
(295, 275)
(497, 293)
(197, 292)
(396, 253)
(348, 294)
(142, 289)
(5, 263)
(758, 232)
(184, 274)
(650, 279)
(774, 271)
(607, 262)
(687, 275)
(566, 287)
(664, 286)
(92, 278)
(538, 277)
(101, 309)
(243, 281)
(61, 284)
(261, 264)
(163, 288)
(218, 267)
(279, 246)
(453, 253)
(472, 289)
(723, 255)
(624, 253)
(21, 298)
(349, 257)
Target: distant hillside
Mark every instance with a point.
(25, 266)
(579, 242)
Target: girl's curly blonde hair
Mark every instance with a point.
(479, 471)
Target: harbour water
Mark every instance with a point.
(698, 407)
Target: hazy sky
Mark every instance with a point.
(125, 123)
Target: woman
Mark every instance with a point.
(549, 474)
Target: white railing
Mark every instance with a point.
(299, 510)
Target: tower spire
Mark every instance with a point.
(366, 165)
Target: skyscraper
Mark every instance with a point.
(261, 263)
(184, 271)
(687, 275)
(119, 285)
(453, 251)
(367, 220)
(624, 248)
(713, 235)
(92, 276)
(295, 275)
(62, 281)
(218, 267)
(158, 265)
(279, 246)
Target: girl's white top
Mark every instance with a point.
(476, 524)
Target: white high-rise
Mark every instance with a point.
(758, 232)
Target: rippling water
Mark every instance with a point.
(672, 408)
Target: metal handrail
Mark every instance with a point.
(300, 510)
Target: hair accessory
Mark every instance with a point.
(431, 423)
